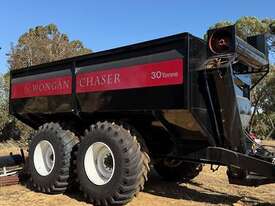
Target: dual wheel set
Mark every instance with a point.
(108, 164)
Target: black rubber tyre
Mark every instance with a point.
(130, 170)
(144, 150)
(178, 171)
(63, 143)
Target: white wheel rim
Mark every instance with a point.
(44, 158)
(99, 163)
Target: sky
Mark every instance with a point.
(103, 24)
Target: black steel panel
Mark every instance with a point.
(157, 98)
(199, 101)
(40, 104)
(167, 97)
(48, 104)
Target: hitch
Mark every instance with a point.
(243, 168)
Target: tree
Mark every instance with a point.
(264, 106)
(263, 95)
(39, 45)
(43, 44)
(3, 100)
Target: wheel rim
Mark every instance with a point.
(99, 163)
(44, 158)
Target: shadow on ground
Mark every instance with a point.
(157, 186)
(192, 191)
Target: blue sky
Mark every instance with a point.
(106, 24)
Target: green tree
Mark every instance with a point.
(263, 95)
(3, 100)
(264, 103)
(43, 44)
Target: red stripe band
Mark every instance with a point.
(162, 73)
(168, 72)
(45, 87)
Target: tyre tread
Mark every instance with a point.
(136, 161)
(62, 180)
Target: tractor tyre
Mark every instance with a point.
(111, 166)
(50, 159)
(177, 171)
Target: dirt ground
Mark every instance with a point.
(209, 188)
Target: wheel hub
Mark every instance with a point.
(108, 162)
(44, 158)
(99, 163)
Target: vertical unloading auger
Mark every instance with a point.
(230, 59)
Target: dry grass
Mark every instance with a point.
(207, 189)
(8, 148)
